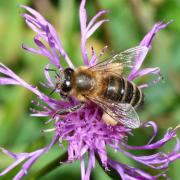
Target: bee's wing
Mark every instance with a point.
(123, 113)
(125, 59)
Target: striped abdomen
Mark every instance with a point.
(124, 91)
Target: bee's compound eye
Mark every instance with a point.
(67, 80)
(66, 86)
(68, 72)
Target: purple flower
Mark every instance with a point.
(84, 130)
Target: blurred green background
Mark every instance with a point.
(130, 20)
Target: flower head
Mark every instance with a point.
(84, 130)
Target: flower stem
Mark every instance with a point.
(49, 167)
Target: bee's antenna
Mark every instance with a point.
(47, 69)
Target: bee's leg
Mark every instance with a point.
(63, 96)
(69, 110)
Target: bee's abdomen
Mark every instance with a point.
(124, 91)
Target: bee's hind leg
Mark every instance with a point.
(69, 110)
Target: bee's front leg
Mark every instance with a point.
(69, 110)
(64, 96)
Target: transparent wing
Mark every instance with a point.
(123, 59)
(121, 112)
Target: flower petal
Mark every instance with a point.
(94, 59)
(146, 71)
(14, 79)
(93, 20)
(89, 168)
(87, 31)
(47, 32)
(82, 168)
(147, 40)
(27, 165)
(83, 21)
(155, 129)
(29, 157)
(158, 161)
(127, 172)
(167, 137)
(6, 81)
(12, 166)
(95, 27)
(83, 16)
(32, 50)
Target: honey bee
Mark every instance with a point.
(106, 85)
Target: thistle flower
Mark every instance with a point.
(84, 130)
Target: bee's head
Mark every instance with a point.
(65, 80)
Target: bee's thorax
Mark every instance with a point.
(84, 82)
